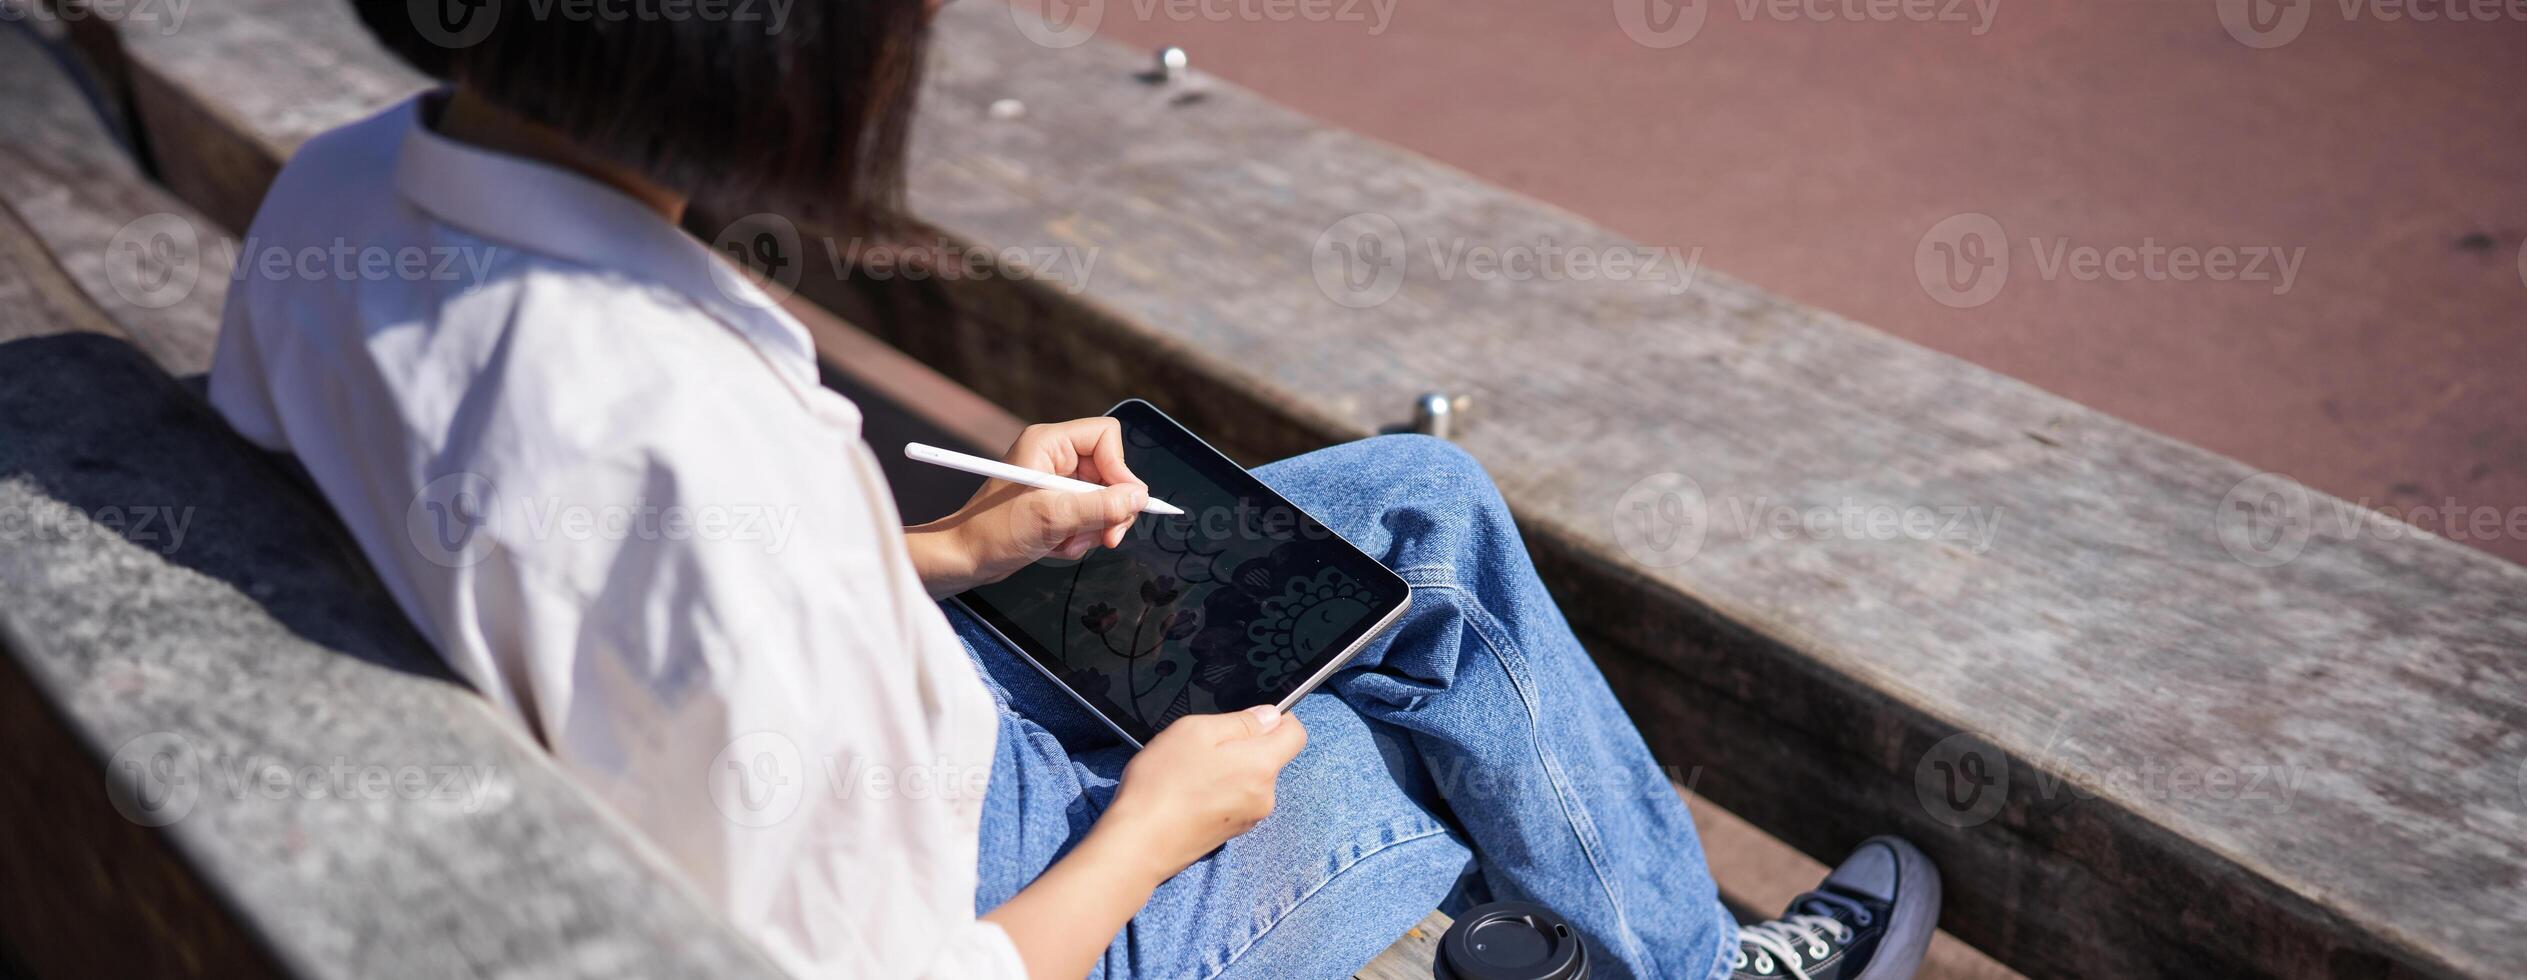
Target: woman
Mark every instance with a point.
(600, 475)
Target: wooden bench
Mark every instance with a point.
(2125, 619)
(2167, 718)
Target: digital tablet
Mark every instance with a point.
(1244, 600)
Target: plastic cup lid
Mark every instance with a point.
(1512, 941)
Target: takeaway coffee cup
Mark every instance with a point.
(1512, 941)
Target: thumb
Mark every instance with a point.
(1282, 740)
(1229, 727)
(1260, 720)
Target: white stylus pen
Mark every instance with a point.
(1038, 479)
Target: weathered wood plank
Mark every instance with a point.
(110, 896)
(225, 100)
(47, 113)
(2128, 673)
(1411, 956)
(74, 189)
(37, 299)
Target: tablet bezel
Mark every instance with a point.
(1381, 580)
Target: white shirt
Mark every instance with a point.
(595, 466)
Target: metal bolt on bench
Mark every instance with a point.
(1436, 413)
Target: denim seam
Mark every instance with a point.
(1724, 965)
(1446, 573)
(1428, 830)
(1581, 827)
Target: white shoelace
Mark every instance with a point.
(1785, 939)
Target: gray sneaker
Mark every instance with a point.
(1870, 920)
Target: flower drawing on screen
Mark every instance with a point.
(1192, 556)
(1310, 615)
(1153, 676)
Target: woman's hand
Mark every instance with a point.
(1205, 779)
(1201, 781)
(1007, 527)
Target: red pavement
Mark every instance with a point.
(1810, 148)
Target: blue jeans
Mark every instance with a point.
(1471, 753)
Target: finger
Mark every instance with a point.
(1077, 547)
(1056, 516)
(1102, 511)
(1044, 447)
(1104, 450)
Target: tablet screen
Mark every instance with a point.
(1236, 603)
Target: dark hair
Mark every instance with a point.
(807, 121)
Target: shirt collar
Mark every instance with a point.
(548, 210)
